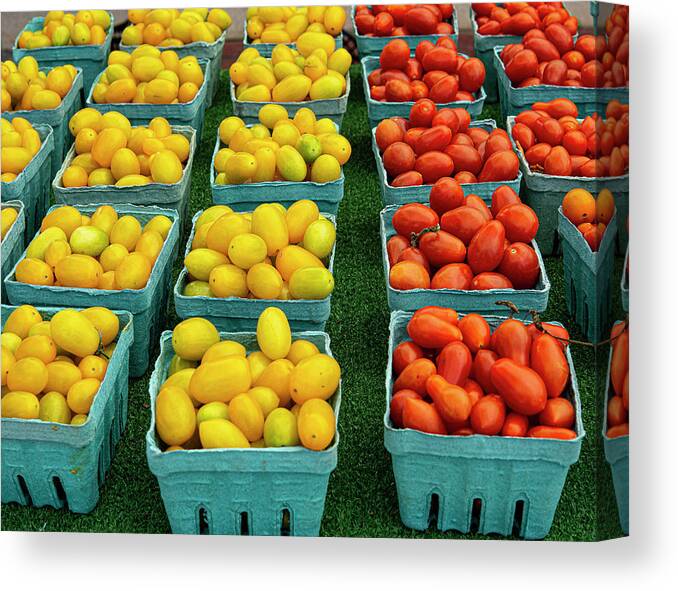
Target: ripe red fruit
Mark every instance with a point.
(398, 158)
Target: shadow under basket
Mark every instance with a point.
(477, 483)
(588, 276)
(64, 466)
(253, 491)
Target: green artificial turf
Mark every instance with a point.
(361, 499)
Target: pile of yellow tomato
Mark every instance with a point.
(25, 87)
(284, 24)
(20, 143)
(220, 396)
(85, 27)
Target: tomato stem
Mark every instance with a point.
(416, 236)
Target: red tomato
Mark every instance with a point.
(422, 113)
(487, 247)
(619, 366)
(523, 136)
(488, 415)
(521, 387)
(383, 25)
(560, 37)
(412, 134)
(453, 276)
(364, 23)
(559, 332)
(388, 75)
(477, 202)
(413, 254)
(422, 49)
(465, 178)
(409, 275)
(500, 166)
(480, 370)
(404, 354)
(548, 360)
(421, 21)
(447, 117)
(464, 118)
(496, 143)
(408, 179)
(475, 332)
(388, 132)
(490, 28)
(551, 433)
(558, 412)
(575, 143)
(465, 158)
(446, 314)
(398, 403)
(478, 135)
(472, 75)
(520, 222)
(463, 222)
(398, 91)
(450, 400)
(454, 362)
(549, 131)
(522, 65)
(592, 74)
(520, 265)
(395, 245)
(430, 78)
(555, 73)
(445, 90)
(474, 391)
(378, 93)
(502, 197)
(440, 58)
(446, 194)
(442, 248)
(413, 218)
(398, 158)
(487, 280)
(511, 339)
(419, 90)
(433, 139)
(586, 45)
(618, 431)
(543, 49)
(432, 332)
(395, 55)
(537, 154)
(574, 59)
(434, 165)
(422, 416)
(558, 162)
(616, 412)
(515, 425)
(414, 376)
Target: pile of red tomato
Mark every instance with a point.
(435, 143)
(618, 404)
(517, 18)
(553, 57)
(458, 377)
(396, 20)
(556, 143)
(590, 215)
(460, 243)
(436, 71)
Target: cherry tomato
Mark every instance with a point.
(435, 138)
(412, 253)
(411, 178)
(521, 387)
(433, 166)
(500, 166)
(431, 332)
(395, 245)
(398, 158)
(475, 332)
(480, 370)
(446, 194)
(397, 404)
(488, 414)
(490, 280)
(543, 432)
(548, 360)
(412, 218)
(451, 401)
(454, 362)
(558, 412)
(407, 275)
(487, 247)
(511, 339)
(414, 376)
(422, 416)
(520, 265)
(453, 276)
(422, 113)
(515, 425)
(520, 222)
(404, 354)
(395, 55)
(442, 248)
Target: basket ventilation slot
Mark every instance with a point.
(476, 515)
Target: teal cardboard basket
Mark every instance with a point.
(247, 196)
(625, 282)
(544, 193)
(588, 276)
(90, 58)
(189, 114)
(63, 466)
(481, 302)
(148, 305)
(518, 481)
(420, 193)
(13, 242)
(174, 196)
(241, 314)
(617, 456)
(266, 49)
(241, 491)
(211, 52)
(32, 186)
(333, 109)
(588, 100)
(377, 110)
(372, 46)
(57, 119)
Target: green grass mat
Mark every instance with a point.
(361, 499)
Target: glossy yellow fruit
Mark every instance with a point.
(159, 223)
(192, 338)
(108, 142)
(133, 271)
(280, 429)
(269, 223)
(220, 380)
(314, 377)
(150, 244)
(265, 397)
(74, 176)
(81, 395)
(228, 281)
(325, 169)
(221, 433)
(20, 405)
(246, 414)
(273, 333)
(74, 332)
(257, 362)
(175, 418)
(224, 229)
(270, 114)
(104, 321)
(301, 349)
(124, 162)
(178, 144)
(177, 364)
(223, 349)
(9, 216)
(291, 89)
(34, 272)
(112, 256)
(201, 261)
(85, 140)
(79, 419)
(54, 408)
(311, 283)
(246, 250)
(61, 375)
(166, 167)
(264, 281)
(294, 257)
(291, 165)
(8, 361)
(338, 146)
(126, 231)
(133, 180)
(93, 366)
(212, 410)
(41, 347)
(11, 341)
(299, 216)
(198, 288)
(104, 217)
(78, 270)
(28, 375)
(211, 214)
(89, 240)
(15, 159)
(319, 238)
(340, 61)
(316, 424)
(21, 320)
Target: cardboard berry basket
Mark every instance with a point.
(190, 114)
(13, 242)
(213, 53)
(241, 491)
(588, 276)
(544, 193)
(420, 193)
(372, 46)
(617, 456)
(90, 58)
(148, 305)
(171, 196)
(57, 119)
(481, 302)
(32, 186)
(246, 197)
(60, 465)
(625, 283)
(588, 100)
(333, 108)
(241, 314)
(266, 49)
(517, 481)
(377, 110)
